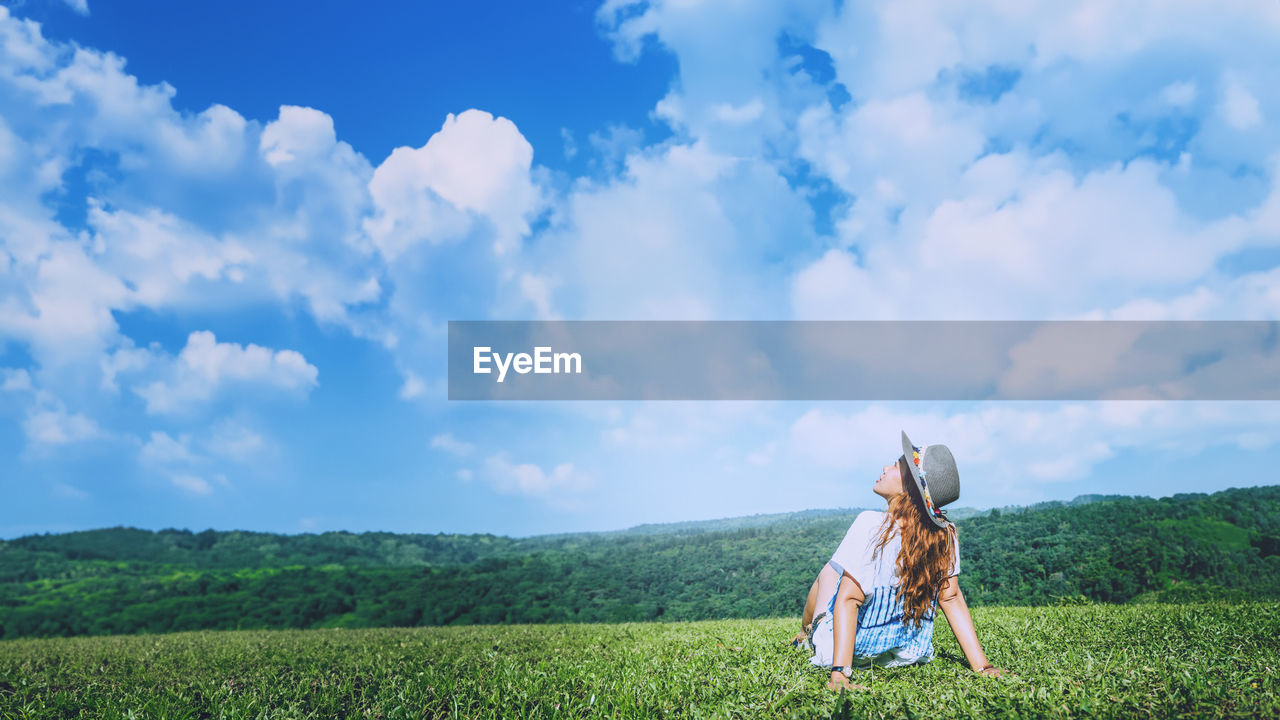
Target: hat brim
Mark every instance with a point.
(907, 449)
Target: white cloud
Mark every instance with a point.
(15, 380)
(764, 455)
(684, 234)
(80, 6)
(204, 210)
(205, 365)
(192, 461)
(234, 441)
(476, 166)
(123, 361)
(163, 449)
(537, 291)
(56, 426)
(835, 286)
(452, 445)
(530, 479)
(570, 145)
(413, 386)
(1239, 106)
(668, 427)
(62, 310)
(163, 259)
(738, 115)
(734, 92)
(69, 492)
(192, 483)
(1002, 446)
(1091, 226)
(299, 133)
(1180, 93)
(889, 151)
(1026, 240)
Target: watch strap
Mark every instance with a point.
(848, 671)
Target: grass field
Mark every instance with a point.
(1217, 660)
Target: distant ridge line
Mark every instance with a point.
(678, 527)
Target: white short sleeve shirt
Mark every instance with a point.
(854, 555)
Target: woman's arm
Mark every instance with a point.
(809, 605)
(807, 618)
(845, 624)
(821, 587)
(957, 612)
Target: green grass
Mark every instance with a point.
(1214, 660)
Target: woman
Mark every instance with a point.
(892, 569)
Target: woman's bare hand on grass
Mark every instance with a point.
(838, 681)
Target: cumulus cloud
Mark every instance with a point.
(193, 484)
(61, 305)
(996, 162)
(475, 169)
(164, 449)
(15, 380)
(189, 211)
(1239, 106)
(1008, 445)
(685, 233)
(452, 445)
(56, 426)
(734, 91)
(81, 7)
(232, 440)
(529, 479)
(176, 201)
(205, 365)
(196, 461)
(164, 261)
(69, 492)
(209, 210)
(1062, 127)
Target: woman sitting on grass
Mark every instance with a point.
(892, 569)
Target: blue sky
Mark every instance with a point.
(231, 237)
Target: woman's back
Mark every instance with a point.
(882, 636)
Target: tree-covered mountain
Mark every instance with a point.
(1106, 549)
(244, 549)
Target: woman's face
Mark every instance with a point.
(890, 481)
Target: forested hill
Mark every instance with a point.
(1108, 549)
(211, 549)
(245, 549)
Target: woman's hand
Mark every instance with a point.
(839, 682)
(951, 600)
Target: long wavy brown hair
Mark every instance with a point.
(927, 552)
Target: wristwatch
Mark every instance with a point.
(848, 671)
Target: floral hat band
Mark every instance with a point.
(937, 512)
